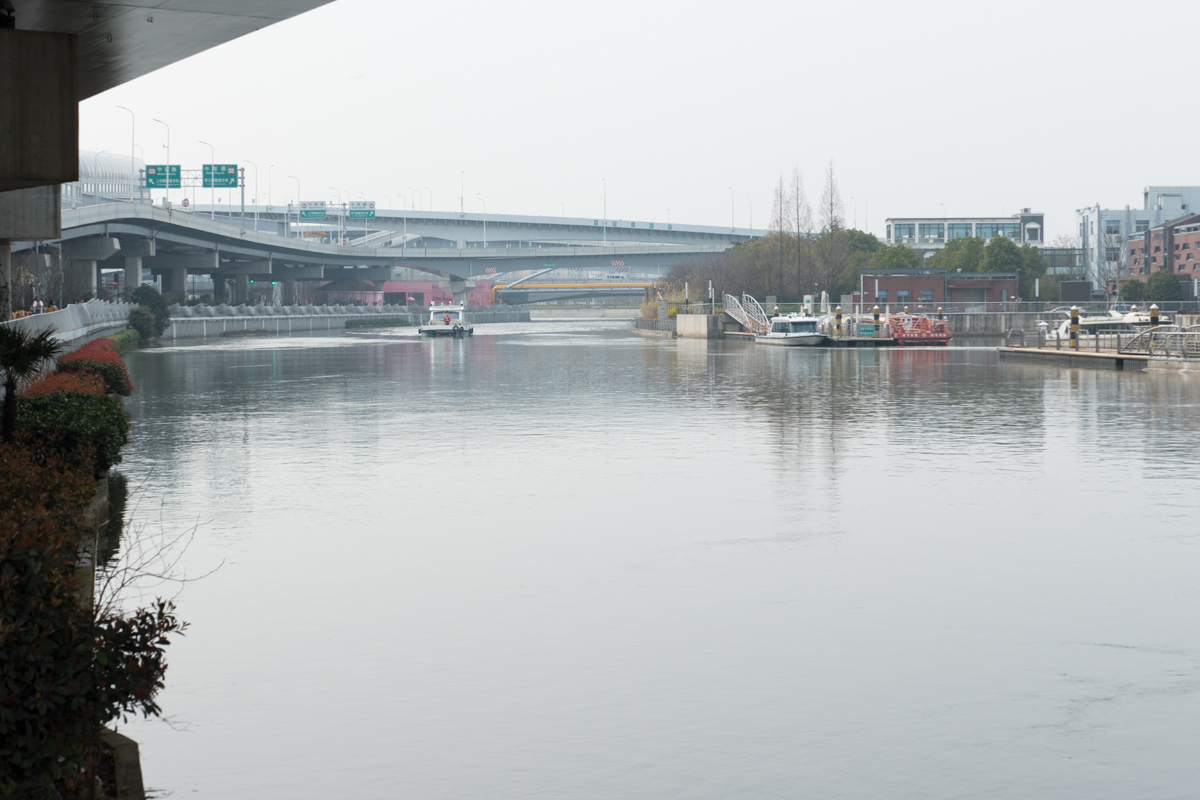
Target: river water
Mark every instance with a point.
(563, 561)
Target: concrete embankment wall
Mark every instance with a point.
(699, 326)
(263, 319)
(536, 313)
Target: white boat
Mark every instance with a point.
(1112, 322)
(792, 330)
(446, 321)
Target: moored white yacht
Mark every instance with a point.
(446, 320)
(792, 330)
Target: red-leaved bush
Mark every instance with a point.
(100, 358)
(78, 382)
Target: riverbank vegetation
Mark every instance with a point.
(808, 251)
(71, 662)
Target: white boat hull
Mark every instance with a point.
(792, 339)
(445, 330)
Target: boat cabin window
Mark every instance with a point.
(779, 327)
(804, 327)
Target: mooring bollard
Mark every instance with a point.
(838, 316)
(1154, 316)
(1075, 328)
(906, 309)
(875, 311)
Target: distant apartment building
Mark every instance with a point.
(927, 235)
(1173, 247)
(1105, 234)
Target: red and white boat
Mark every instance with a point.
(919, 330)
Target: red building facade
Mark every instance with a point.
(927, 290)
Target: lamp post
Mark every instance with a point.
(563, 206)
(484, 219)
(417, 192)
(212, 169)
(168, 146)
(339, 205)
(132, 145)
(251, 163)
(297, 180)
(404, 197)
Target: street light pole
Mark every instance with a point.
(401, 194)
(417, 192)
(251, 163)
(212, 180)
(168, 183)
(132, 146)
(297, 180)
(484, 219)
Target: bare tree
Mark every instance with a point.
(833, 215)
(803, 230)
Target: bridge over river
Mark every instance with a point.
(171, 244)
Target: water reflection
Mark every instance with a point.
(563, 560)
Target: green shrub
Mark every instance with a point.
(87, 430)
(1163, 285)
(141, 319)
(1133, 290)
(66, 670)
(125, 340)
(148, 296)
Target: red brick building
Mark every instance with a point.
(925, 290)
(1172, 246)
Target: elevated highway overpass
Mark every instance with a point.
(172, 244)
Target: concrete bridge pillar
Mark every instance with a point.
(289, 291)
(133, 274)
(87, 270)
(175, 280)
(241, 290)
(219, 293)
(458, 288)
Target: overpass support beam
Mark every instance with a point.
(241, 289)
(136, 247)
(219, 290)
(289, 291)
(133, 274)
(457, 288)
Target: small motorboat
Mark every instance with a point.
(446, 321)
(792, 330)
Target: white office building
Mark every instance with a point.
(927, 235)
(1104, 233)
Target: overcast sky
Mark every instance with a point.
(982, 107)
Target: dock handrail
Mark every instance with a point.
(1165, 341)
(757, 315)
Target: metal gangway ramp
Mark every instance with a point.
(748, 313)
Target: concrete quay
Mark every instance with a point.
(200, 322)
(1104, 359)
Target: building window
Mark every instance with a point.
(888, 235)
(1189, 258)
(989, 229)
(1141, 225)
(1157, 249)
(1032, 234)
(959, 230)
(1112, 227)
(1137, 261)
(931, 230)
(901, 296)
(1187, 246)
(881, 297)
(927, 295)
(906, 231)
(1113, 253)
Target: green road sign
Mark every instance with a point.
(156, 177)
(548, 265)
(362, 209)
(312, 209)
(220, 176)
